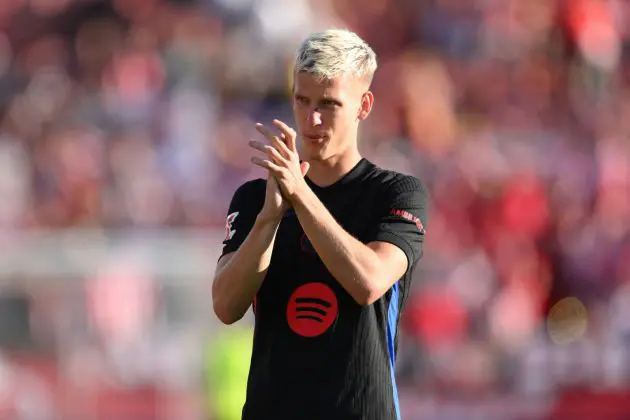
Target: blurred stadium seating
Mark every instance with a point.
(123, 128)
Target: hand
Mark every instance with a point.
(281, 160)
(275, 204)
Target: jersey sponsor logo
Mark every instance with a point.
(406, 215)
(229, 232)
(312, 309)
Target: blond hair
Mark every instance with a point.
(331, 53)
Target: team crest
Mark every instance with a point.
(229, 222)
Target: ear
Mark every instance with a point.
(367, 102)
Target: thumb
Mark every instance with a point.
(304, 166)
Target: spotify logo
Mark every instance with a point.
(312, 309)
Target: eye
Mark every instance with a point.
(329, 103)
(301, 100)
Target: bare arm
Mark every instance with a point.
(239, 274)
(365, 271)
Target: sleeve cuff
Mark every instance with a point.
(401, 243)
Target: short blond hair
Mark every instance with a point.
(333, 52)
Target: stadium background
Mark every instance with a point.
(123, 128)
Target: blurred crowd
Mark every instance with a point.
(135, 114)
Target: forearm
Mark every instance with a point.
(236, 284)
(353, 264)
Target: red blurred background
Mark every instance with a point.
(123, 128)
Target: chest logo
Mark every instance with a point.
(312, 309)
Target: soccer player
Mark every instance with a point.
(323, 249)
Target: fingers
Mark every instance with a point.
(304, 166)
(287, 135)
(278, 142)
(282, 152)
(281, 145)
(288, 132)
(267, 164)
(270, 151)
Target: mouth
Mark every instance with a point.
(314, 138)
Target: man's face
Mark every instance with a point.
(327, 113)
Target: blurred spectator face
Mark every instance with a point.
(327, 113)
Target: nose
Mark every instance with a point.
(315, 118)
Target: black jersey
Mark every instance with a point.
(317, 353)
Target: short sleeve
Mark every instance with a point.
(403, 216)
(245, 205)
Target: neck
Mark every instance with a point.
(328, 171)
